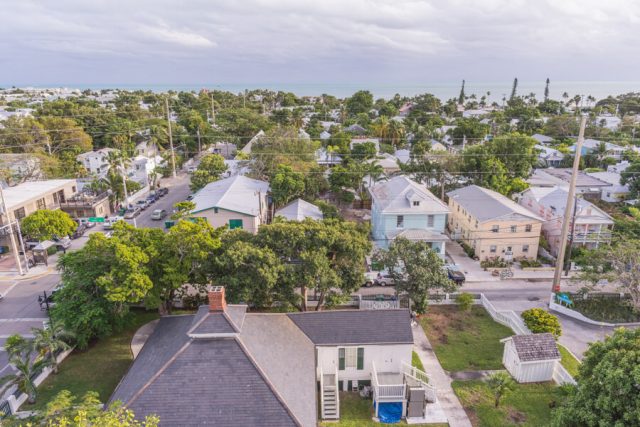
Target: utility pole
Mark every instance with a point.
(572, 236)
(213, 112)
(124, 184)
(14, 247)
(199, 144)
(567, 211)
(173, 154)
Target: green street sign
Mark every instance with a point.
(96, 219)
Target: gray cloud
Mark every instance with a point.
(165, 41)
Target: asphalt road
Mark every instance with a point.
(178, 191)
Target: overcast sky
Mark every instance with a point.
(316, 41)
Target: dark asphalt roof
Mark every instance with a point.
(211, 382)
(355, 326)
(536, 347)
(205, 322)
(167, 338)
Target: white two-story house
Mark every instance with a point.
(402, 207)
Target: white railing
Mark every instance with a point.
(506, 317)
(562, 376)
(378, 305)
(387, 390)
(423, 378)
(335, 382)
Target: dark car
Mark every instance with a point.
(456, 275)
(79, 231)
(163, 191)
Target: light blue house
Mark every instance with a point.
(402, 207)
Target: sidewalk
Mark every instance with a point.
(34, 273)
(446, 397)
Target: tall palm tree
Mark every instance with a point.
(118, 165)
(381, 128)
(396, 132)
(51, 340)
(27, 366)
(374, 171)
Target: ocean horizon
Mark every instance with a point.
(444, 90)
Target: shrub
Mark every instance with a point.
(468, 250)
(494, 263)
(465, 301)
(540, 321)
(530, 263)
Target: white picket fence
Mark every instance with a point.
(562, 376)
(505, 317)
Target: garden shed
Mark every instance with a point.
(531, 358)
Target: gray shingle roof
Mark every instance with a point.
(536, 347)
(485, 204)
(343, 327)
(211, 382)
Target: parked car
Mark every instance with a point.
(455, 274)
(80, 230)
(191, 169)
(62, 243)
(132, 212)
(370, 278)
(190, 197)
(152, 198)
(158, 214)
(163, 191)
(109, 222)
(384, 279)
(143, 204)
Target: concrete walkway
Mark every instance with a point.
(472, 375)
(448, 400)
(141, 336)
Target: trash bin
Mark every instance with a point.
(169, 224)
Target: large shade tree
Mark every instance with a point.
(46, 224)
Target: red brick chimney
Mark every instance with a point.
(217, 301)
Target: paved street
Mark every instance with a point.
(178, 191)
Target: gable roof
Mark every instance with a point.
(298, 210)
(237, 193)
(556, 198)
(249, 145)
(342, 327)
(536, 347)
(391, 197)
(543, 139)
(485, 204)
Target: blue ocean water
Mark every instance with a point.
(443, 90)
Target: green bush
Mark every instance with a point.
(468, 250)
(525, 263)
(540, 321)
(465, 301)
(494, 263)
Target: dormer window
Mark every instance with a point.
(416, 203)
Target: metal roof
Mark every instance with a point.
(298, 210)
(237, 193)
(391, 197)
(484, 204)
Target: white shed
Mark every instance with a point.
(531, 358)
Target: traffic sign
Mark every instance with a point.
(96, 219)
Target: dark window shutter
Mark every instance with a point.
(360, 358)
(341, 359)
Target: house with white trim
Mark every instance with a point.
(235, 202)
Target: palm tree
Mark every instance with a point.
(27, 367)
(374, 170)
(118, 165)
(500, 384)
(396, 132)
(50, 341)
(381, 128)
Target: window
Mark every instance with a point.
(514, 228)
(235, 223)
(55, 198)
(458, 208)
(400, 221)
(430, 220)
(525, 248)
(493, 249)
(351, 357)
(416, 203)
(41, 204)
(476, 223)
(215, 210)
(495, 228)
(19, 213)
(528, 228)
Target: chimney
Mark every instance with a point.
(217, 301)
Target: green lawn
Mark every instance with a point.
(570, 363)
(416, 362)
(526, 405)
(357, 412)
(465, 340)
(99, 368)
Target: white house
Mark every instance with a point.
(274, 369)
(608, 121)
(531, 358)
(615, 192)
(548, 156)
(324, 135)
(327, 158)
(299, 210)
(542, 139)
(95, 162)
(142, 167)
(619, 167)
(236, 202)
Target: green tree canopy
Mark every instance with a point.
(359, 102)
(416, 269)
(607, 391)
(44, 224)
(210, 168)
(286, 185)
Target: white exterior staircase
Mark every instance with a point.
(329, 397)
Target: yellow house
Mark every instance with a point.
(492, 224)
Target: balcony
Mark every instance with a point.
(84, 200)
